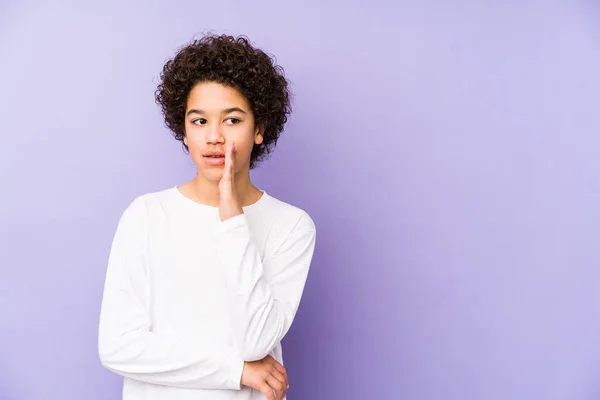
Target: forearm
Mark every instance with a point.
(145, 356)
(262, 304)
(258, 320)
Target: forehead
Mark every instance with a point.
(213, 96)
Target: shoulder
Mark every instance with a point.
(146, 204)
(288, 216)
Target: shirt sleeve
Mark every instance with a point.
(126, 342)
(264, 297)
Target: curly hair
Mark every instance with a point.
(233, 62)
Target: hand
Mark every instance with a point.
(267, 376)
(229, 203)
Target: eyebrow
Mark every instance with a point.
(225, 111)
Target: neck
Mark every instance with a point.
(207, 192)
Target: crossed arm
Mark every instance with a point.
(262, 309)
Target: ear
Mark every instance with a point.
(258, 135)
(185, 140)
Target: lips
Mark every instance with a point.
(214, 158)
(214, 154)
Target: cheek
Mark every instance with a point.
(195, 151)
(192, 141)
(243, 152)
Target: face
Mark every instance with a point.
(215, 115)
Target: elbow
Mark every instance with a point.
(257, 349)
(106, 345)
(256, 338)
(253, 354)
(111, 359)
(107, 352)
(106, 361)
(104, 354)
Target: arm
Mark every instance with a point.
(128, 346)
(264, 298)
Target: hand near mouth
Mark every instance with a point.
(229, 204)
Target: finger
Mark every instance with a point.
(279, 367)
(228, 167)
(280, 377)
(277, 386)
(230, 154)
(267, 391)
(232, 157)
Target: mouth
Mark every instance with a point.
(214, 155)
(215, 158)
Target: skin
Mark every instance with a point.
(212, 125)
(219, 118)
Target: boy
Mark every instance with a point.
(204, 279)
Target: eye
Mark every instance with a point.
(233, 121)
(199, 121)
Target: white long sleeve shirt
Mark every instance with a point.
(188, 298)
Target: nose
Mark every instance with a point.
(214, 134)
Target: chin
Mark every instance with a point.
(212, 174)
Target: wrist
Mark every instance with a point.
(230, 211)
(243, 375)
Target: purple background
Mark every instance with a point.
(447, 151)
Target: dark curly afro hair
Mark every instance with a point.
(233, 62)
